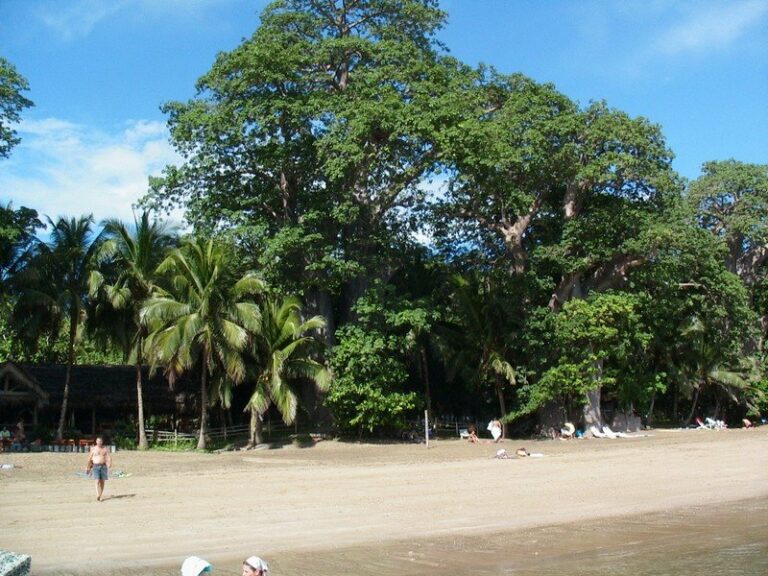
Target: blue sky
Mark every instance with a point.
(100, 69)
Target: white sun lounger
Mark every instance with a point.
(596, 433)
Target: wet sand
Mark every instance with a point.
(377, 509)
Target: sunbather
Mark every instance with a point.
(568, 431)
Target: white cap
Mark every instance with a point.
(194, 566)
(257, 564)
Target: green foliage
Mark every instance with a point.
(182, 445)
(12, 102)
(283, 356)
(204, 316)
(308, 153)
(593, 342)
(366, 394)
(17, 241)
(370, 364)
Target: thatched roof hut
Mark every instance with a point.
(99, 393)
(19, 388)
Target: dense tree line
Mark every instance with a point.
(408, 232)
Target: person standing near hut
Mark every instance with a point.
(99, 462)
(495, 428)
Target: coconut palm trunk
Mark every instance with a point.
(67, 379)
(143, 444)
(425, 375)
(502, 405)
(202, 441)
(257, 430)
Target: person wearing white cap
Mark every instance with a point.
(255, 566)
(194, 566)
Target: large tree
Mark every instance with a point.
(313, 138)
(204, 318)
(130, 257)
(12, 103)
(731, 200)
(17, 241)
(554, 193)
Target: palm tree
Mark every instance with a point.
(709, 368)
(133, 257)
(205, 317)
(54, 288)
(479, 343)
(283, 356)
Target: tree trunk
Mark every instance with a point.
(257, 436)
(649, 418)
(65, 396)
(502, 406)
(425, 375)
(675, 396)
(693, 406)
(320, 301)
(201, 441)
(592, 413)
(143, 444)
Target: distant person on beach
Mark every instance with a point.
(194, 566)
(99, 462)
(5, 438)
(494, 427)
(255, 566)
(17, 443)
(472, 434)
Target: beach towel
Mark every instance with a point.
(112, 474)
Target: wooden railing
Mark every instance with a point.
(269, 429)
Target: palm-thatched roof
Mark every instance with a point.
(18, 386)
(111, 387)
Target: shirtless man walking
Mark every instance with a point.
(99, 462)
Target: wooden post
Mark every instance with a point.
(426, 427)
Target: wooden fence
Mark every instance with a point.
(269, 429)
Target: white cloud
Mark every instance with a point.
(76, 19)
(64, 169)
(711, 26)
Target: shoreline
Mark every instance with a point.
(335, 497)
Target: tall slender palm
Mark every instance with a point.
(133, 256)
(55, 287)
(205, 317)
(480, 341)
(283, 353)
(710, 369)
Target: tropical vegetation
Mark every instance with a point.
(377, 226)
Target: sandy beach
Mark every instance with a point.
(288, 502)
